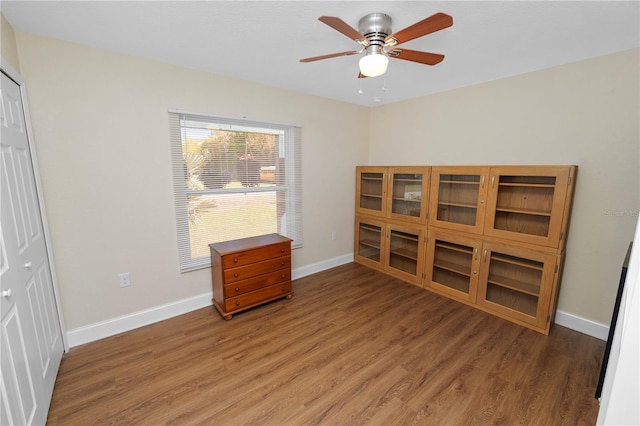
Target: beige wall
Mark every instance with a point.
(101, 130)
(585, 113)
(100, 124)
(9, 49)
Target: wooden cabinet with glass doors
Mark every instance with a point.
(400, 193)
(496, 234)
(390, 247)
(520, 203)
(516, 283)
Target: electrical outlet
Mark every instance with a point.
(334, 235)
(125, 280)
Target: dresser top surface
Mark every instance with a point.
(227, 247)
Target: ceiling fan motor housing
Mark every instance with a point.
(375, 27)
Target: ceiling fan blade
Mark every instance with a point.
(360, 75)
(429, 25)
(416, 56)
(330, 55)
(344, 28)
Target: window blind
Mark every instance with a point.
(233, 178)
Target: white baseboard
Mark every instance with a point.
(321, 266)
(582, 325)
(81, 335)
(100, 330)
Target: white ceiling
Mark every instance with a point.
(262, 41)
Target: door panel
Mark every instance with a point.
(18, 387)
(31, 338)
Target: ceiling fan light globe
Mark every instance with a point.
(373, 65)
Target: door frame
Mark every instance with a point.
(14, 75)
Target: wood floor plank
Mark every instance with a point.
(353, 346)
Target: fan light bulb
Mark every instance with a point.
(373, 64)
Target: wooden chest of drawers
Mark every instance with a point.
(249, 272)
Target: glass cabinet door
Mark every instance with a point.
(517, 282)
(452, 265)
(369, 242)
(409, 193)
(405, 252)
(371, 189)
(458, 198)
(527, 204)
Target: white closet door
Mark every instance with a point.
(31, 335)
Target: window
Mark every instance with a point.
(233, 179)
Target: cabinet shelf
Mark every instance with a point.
(371, 243)
(373, 256)
(371, 195)
(524, 211)
(530, 185)
(411, 238)
(459, 182)
(372, 178)
(370, 228)
(405, 253)
(453, 267)
(453, 248)
(463, 205)
(407, 200)
(411, 180)
(515, 285)
(519, 262)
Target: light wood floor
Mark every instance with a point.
(351, 347)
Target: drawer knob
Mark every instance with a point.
(235, 275)
(283, 289)
(282, 264)
(282, 250)
(283, 275)
(237, 303)
(237, 289)
(235, 260)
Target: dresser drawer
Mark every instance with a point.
(258, 296)
(256, 283)
(250, 256)
(255, 269)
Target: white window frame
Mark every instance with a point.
(291, 222)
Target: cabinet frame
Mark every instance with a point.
(365, 182)
(388, 252)
(394, 197)
(528, 259)
(419, 233)
(438, 177)
(377, 184)
(474, 243)
(554, 214)
(380, 244)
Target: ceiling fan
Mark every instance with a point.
(376, 39)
